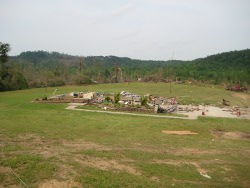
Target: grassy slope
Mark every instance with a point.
(162, 160)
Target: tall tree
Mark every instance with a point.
(4, 49)
(4, 75)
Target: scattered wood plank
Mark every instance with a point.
(179, 132)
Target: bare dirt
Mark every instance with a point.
(60, 184)
(232, 135)
(212, 111)
(107, 165)
(4, 169)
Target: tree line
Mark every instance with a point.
(42, 69)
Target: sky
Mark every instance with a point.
(139, 29)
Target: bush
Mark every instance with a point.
(144, 101)
(117, 97)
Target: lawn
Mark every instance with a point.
(46, 145)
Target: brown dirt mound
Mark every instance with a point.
(179, 132)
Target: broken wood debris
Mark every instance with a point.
(179, 132)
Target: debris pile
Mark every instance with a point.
(123, 101)
(236, 110)
(129, 98)
(127, 101)
(237, 88)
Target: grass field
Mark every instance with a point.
(48, 146)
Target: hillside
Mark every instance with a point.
(228, 67)
(42, 69)
(48, 59)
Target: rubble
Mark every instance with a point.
(127, 101)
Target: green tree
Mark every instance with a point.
(4, 49)
(4, 75)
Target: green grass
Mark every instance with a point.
(33, 168)
(98, 178)
(44, 142)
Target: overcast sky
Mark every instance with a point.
(140, 29)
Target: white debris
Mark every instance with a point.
(205, 175)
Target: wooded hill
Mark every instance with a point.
(40, 69)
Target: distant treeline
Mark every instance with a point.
(41, 69)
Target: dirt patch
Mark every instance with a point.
(83, 145)
(179, 132)
(180, 163)
(4, 170)
(60, 184)
(211, 111)
(29, 136)
(65, 171)
(154, 178)
(231, 135)
(55, 148)
(192, 151)
(107, 165)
